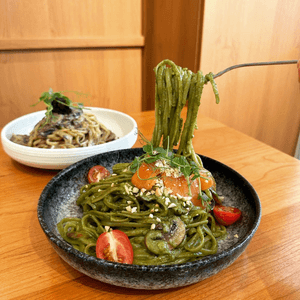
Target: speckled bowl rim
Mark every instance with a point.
(148, 268)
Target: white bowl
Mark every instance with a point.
(122, 125)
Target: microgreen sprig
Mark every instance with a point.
(50, 96)
(186, 167)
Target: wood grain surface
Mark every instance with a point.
(34, 19)
(263, 102)
(172, 30)
(268, 269)
(93, 47)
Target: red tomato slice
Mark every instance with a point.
(97, 173)
(114, 246)
(226, 215)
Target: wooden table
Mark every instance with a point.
(268, 269)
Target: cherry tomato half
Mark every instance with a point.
(226, 215)
(97, 173)
(114, 246)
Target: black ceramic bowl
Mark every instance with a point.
(58, 200)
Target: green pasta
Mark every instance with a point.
(116, 203)
(187, 88)
(162, 228)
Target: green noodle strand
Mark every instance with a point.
(145, 217)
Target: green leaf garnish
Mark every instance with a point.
(186, 167)
(50, 96)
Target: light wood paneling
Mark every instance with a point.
(263, 102)
(56, 43)
(92, 46)
(172, 30)
(111, 78)
(37, 19)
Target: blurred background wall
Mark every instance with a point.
(263, 102)
(91, 46)
(108, 49)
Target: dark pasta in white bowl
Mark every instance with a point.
(120, 124)
(64, 125)
(73, 130)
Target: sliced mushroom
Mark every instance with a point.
(60, 108)
(166, 236)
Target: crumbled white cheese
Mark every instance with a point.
(126, 189)
(158, 192)
(135, 190)
(173, 172)
(172, 205)
(167, 191)
(152, 226)
(160, 182)
(134, 210)
(159, 163)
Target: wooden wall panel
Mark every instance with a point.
(41, 20)
(263, 102)
(172, 30)
(92, 46)
(111, 78)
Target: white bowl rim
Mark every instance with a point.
(5, 139)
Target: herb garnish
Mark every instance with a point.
(50, 96)
(151, 155)
(189, 169)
